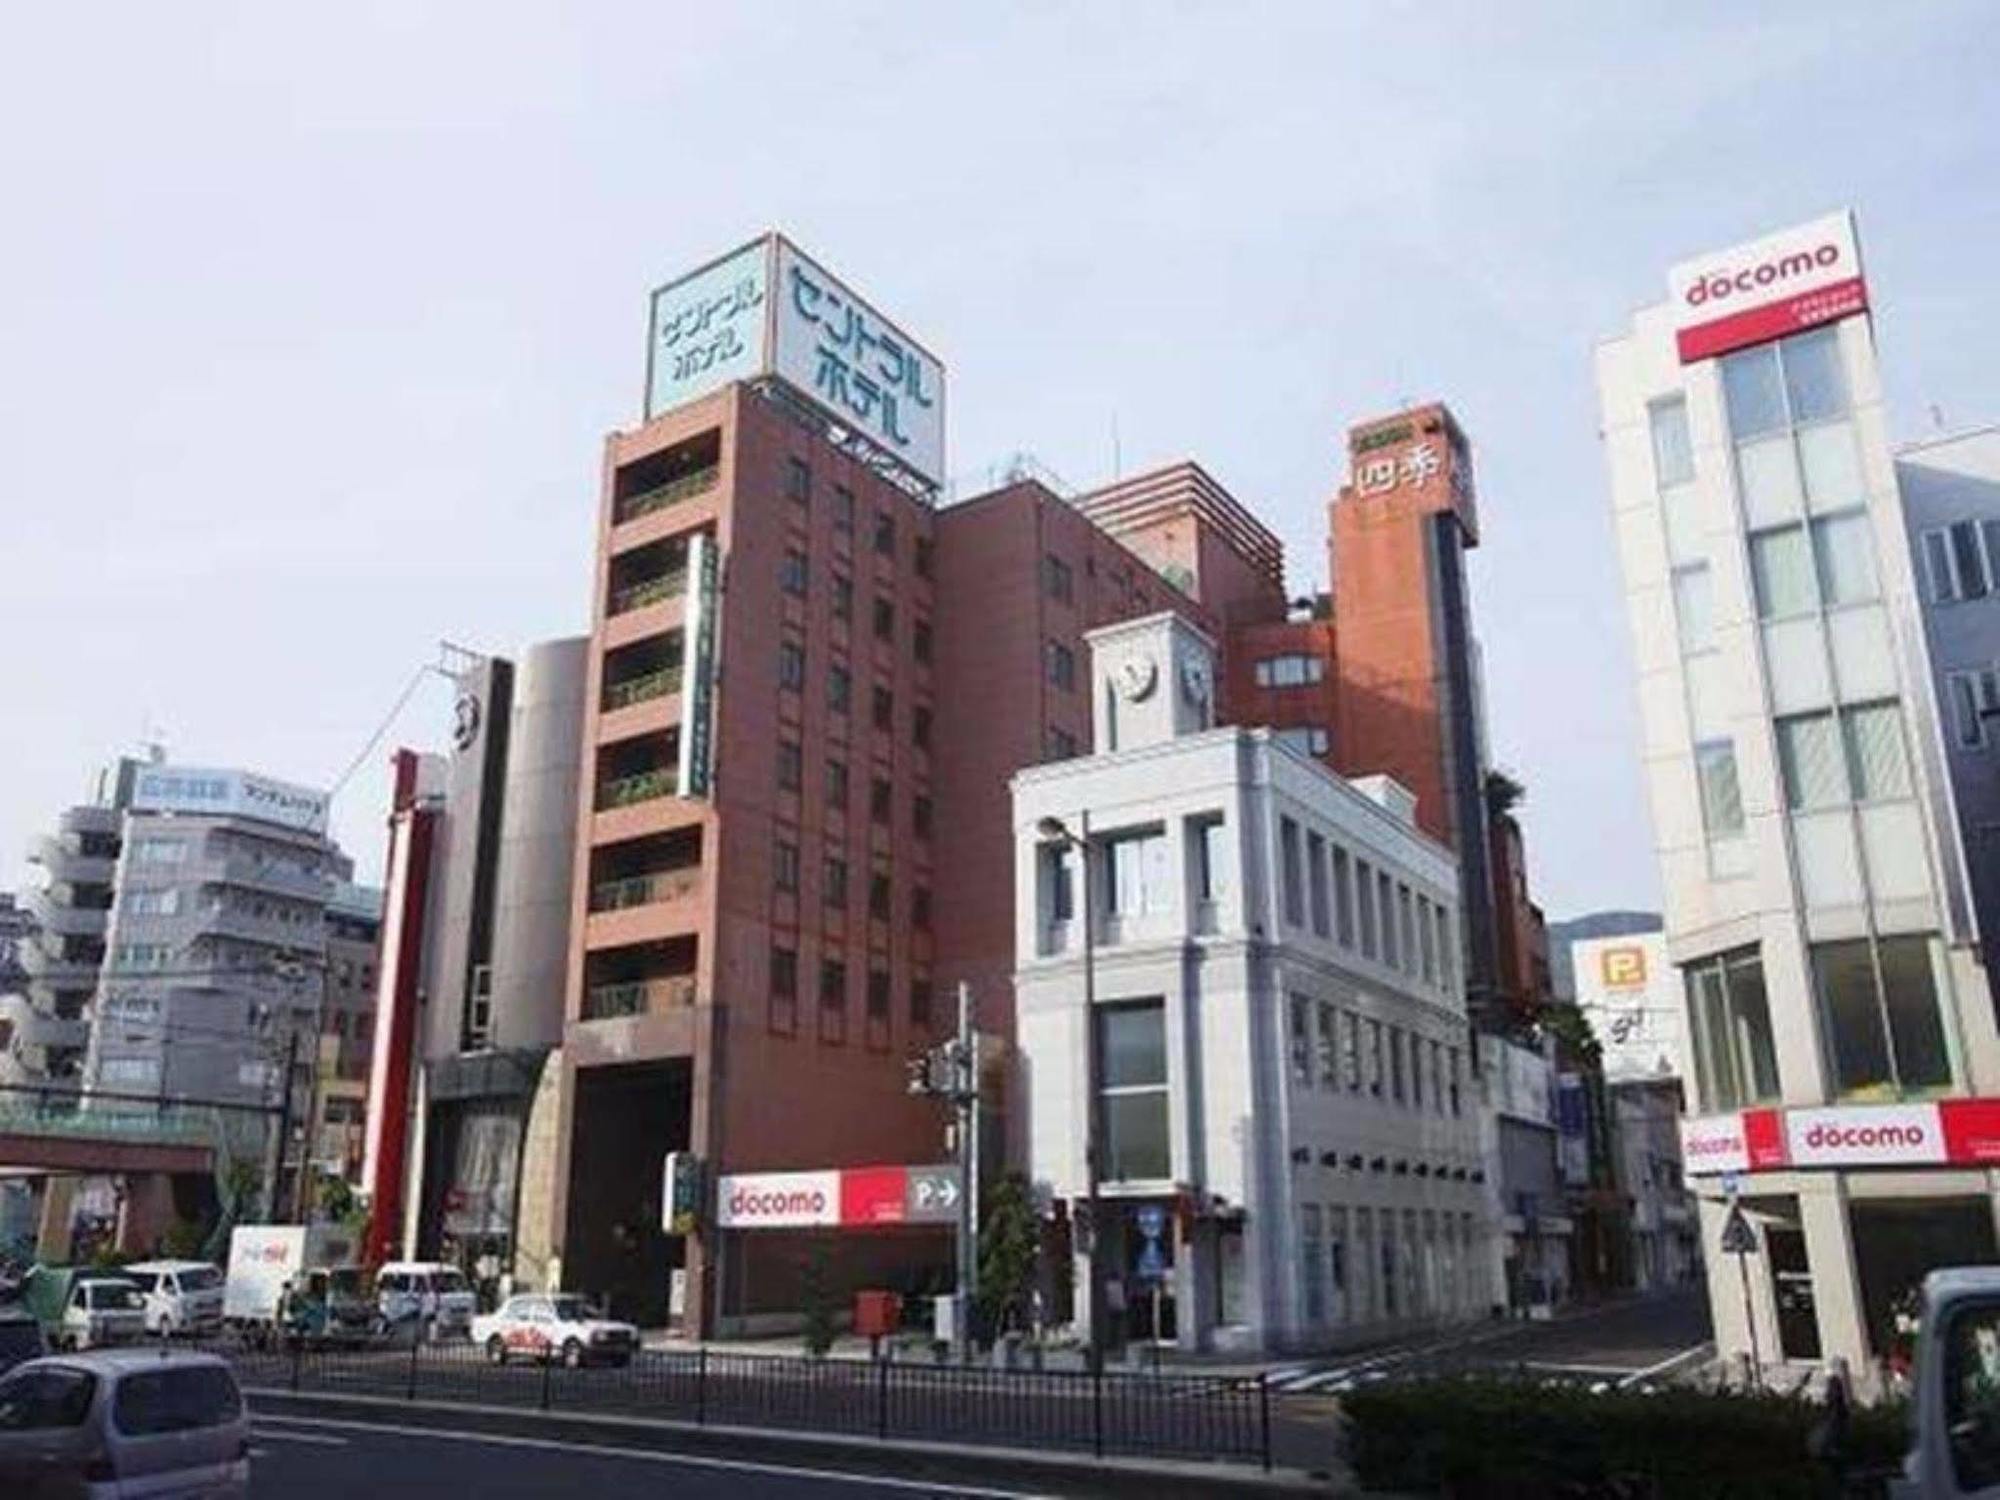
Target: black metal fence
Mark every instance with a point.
(1115, 1412)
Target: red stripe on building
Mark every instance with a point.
(1764, 1139)
(1759, 325)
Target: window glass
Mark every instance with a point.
(1134, 1045)
(1735, 1059)
(1968, 561)
(1137, 865)
(1694, 608)
(1721, 800)
(1973, 696)
(1328, 1040)
(1133, 1052)
(1846, 557)
(1832, 466)
(1343, 898)
(1781, 569)
(1299, 1048)
(1809, 758)
(1680, 511)
(1770, 478)
(1972, 1395)
(39, 1400)
(1937, 566)
(1316, 882)
(1814, 381)
(1673, 448)
(1876, 768)
(1213, 867)
(1846, 977)
(1752, 392)
(1364, 884)
(1350, 1049)
(1289, 874)
(1909, 993)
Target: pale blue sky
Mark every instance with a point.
(312, 326)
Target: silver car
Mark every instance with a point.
(123, 1422)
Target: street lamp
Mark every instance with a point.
(1055, 832)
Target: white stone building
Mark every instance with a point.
(1290, 1153)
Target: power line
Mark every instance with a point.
(402, 700)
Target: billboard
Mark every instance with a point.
(843, 1198)
(1630, 992)
(229, 794)
(769, 309)
(1783, 283)
(698, 681)
(1948, 1132)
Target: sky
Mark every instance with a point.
(313, 320)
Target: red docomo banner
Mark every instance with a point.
(1795, 279)
(1951, 1132)
(838, 1198)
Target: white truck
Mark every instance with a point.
(270, 1262)
(1955, 1417)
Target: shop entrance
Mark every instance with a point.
(1792, 1293)
(627, 1118)
(1149, 1274)
(1897, 1241)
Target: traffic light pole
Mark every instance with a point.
(966, 1105)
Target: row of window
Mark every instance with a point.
(792, 578)
(881, 790)
(1361, 906)
(1343, 1052)
(1059, 583)
(1290, 671)
(1430, 1268)
(1307, 739)
(1962, 561)
(833, 987)
(1879, 1015)
(840, 694)
(833, 885)
(1825, 759)
(798, 489)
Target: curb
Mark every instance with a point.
(864, 1457)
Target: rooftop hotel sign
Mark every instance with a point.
(225, 793)
(769, 309)
(1795, 279)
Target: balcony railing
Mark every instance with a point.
(623, 791)
(643, 890)
(661, 496)
(638, 689)
(639, 997)
(652, 591)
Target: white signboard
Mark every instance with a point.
(778, 1200)
(1630, 992)
(1870, 1135)
(1753, 293)
(855, 363)
(709, 328)
(221, 793)
(1713, 1145)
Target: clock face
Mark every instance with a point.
(1194, 683)
(465, 721)
(1137, 675)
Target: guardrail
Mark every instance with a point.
(661, 496)
(651, 591)
(1109, 1412)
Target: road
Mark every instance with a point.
(1622, 1342)
(300, 1459)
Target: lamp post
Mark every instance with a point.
(1057, 833)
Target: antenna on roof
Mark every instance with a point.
(1117, 453)
(1937, 416)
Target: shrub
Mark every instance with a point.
(1488, 1439)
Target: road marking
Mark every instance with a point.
(318, 1438)
(1686, 1355)
(1560, 1369)
(654, 1455)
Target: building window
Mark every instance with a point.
(1975, 696)
(878, 994)
(1316, 883)
(1062, 666)
(1788, 383)
(1290, 671)
(1299, 1042)
(839, 688)
(1307, 739)
(843, 508)
(1312, 1264)
(1397, 1090)
(1721, 799)
(1211, 860)
(920, 908)
(1406, 932)
(920, 640)
(1377, 1065)
(880, 796)
(1886, 1033)
(1795, 569)
(920, 1001)
(798, 480)
(920, 726)
(1694, 608)
(1350, 1049)
(1056, 881)
(1343, 899)
(791, 665)
(843, 597)
(1860, 761)
(1736, 1063)
(1673, 447)
(1135, 867)
(879, 895)
(835, 881)
(883, 706)
(788, 765)
(792, 572)
(784, 988)
(1962, 560)
(1425, 940)
(836, 783)
(1062, 745)
(926, 555)
(1289, 872)
(785, 866)
(1452, 1063)
(1385, 898)
(1364, 885)
(1328, 1041)
(885, 533)
(920, 815)
(1057, 580)
(885, 620)
(832, 985)
(1132, 1048)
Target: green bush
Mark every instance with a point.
(1486, 1439)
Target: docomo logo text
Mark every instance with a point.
(1876, 1135)
(773, 1203)
(1836, 1136)
(1716, 286)
(1720, 1144)
(1715, 1145)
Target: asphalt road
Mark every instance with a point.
(300, 1459)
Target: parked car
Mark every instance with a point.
(427, 1295)
(84, 1309)
(559, 1325)
(328, 1307)
(115, 1422)
(20, 1337)
(182, 1296)
(269, 1262)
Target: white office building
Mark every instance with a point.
(1289, 1154)
(1840, 1032)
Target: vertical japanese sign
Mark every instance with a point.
(857, 365)
(708, 328)
(698, 670)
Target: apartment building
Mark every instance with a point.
(1245, 970)
(1840, 1027)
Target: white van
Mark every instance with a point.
(427, 1294)
(182, 1296)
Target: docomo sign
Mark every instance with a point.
(1714, 1145)
(1894, 1134)
(1951, 1132)
(779, 1200)
(850, 1198)
(1751, 294)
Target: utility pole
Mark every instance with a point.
(950, 1071)
(284, 1126)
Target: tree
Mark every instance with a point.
(817, 1297)
(1009, 1246)
(1503, 793)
